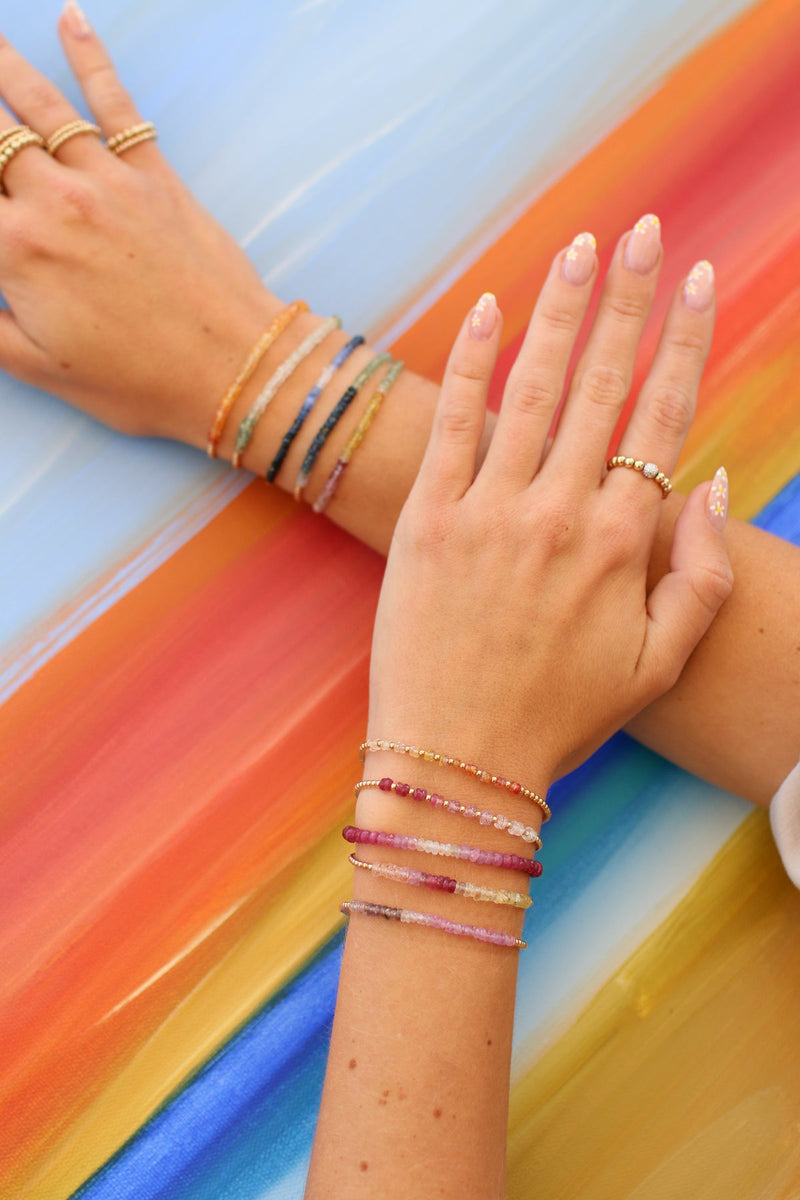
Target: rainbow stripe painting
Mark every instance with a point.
(171, 859)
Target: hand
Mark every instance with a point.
(514, 624)
(126, 297)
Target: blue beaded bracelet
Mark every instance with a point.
(324, 431)
(308, 404)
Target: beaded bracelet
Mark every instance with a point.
(278, 325)
(309, 402)
(473, 854)
(514, 828)
(339, 409)
(287, 367)
(372, 745)
(357, 436)
(443, 883)
(432, 921)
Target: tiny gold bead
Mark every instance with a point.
(629, 462)
(638, 465)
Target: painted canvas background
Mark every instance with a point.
(184, 654)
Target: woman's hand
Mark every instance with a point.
(125, 296)
(514, 624)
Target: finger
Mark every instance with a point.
(665, 406)
(448, 465)
(536, 381)
(19, 356)
(684, 602)
(38, 102)
(29, 166)
(110, 103)
(602, 378)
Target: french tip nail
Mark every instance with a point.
(717, 505)
(483, 317)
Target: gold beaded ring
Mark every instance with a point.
(648, 469)
(71, 130)
(12, 146)
(126, 139)
(13, 132)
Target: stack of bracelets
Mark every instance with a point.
(249, 422)
(473, 854)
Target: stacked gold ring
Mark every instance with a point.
(648, 469)
(66, 132)
(126, 139)
(12, 142)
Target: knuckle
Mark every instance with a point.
(713, 585)
(457, 422)
(628, 308)
(531, 395)
(429, 529)
(671, 408)
(605, 385)
(688, 344)
(618, 538)
(559, 320)
(21, 241)
(76, 201)
(469, 370)
(557, 526)
(44, 99)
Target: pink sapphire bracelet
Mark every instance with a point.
(372, 745)
(514, 828)
(443, 883)
(473, 854)
(364, 908)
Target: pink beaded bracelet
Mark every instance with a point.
(372, 745)
(443, 883)
(493, 936)
(473, 854)
(514, 828)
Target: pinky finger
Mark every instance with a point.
(110, 103)
(684, 602)
(448, 467)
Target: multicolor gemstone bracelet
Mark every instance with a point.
(432, 921)
(473, 854)
(444, 883)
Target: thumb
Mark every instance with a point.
(685, 601)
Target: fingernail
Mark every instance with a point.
(578, 263)
(642, 246)
(77, 20)
(698, 291)
(717, 508)
(484, 317)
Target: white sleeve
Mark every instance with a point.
(784, 816)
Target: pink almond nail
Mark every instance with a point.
(577, 264)
(717, 508)
(643, 244)
(698, 291)
(483, 318)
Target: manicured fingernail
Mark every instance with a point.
(717, 508)
(642, 246)
(484, 317)
(698, 291)
(578, 263)
(77, 20)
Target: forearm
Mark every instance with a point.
(416, 1093)
(729, 719)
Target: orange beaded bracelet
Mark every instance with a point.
(281, 322)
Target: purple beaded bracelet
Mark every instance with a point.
(513, 828)
(493, 936)
(473, 854)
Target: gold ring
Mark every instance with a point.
(648, 469)
(66, 132)
(14, 131)
(126, 139)
(12, 145)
